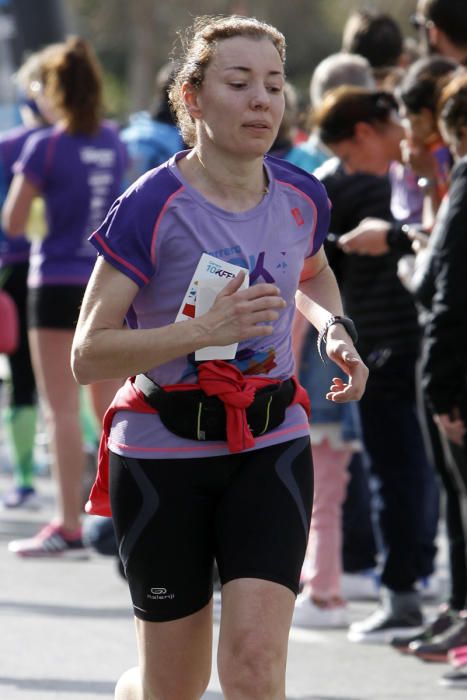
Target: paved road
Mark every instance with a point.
(66, 632)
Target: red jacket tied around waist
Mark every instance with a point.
(216, 378)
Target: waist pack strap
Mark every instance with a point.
(152, 392)
(194, 411)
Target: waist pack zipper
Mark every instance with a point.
(267, 416)
(201, 435)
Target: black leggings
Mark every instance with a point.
(23, 383)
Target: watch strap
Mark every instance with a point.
(345, 321)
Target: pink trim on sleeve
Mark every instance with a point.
(159, 221)
(116, 257)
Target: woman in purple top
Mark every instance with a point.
(179, 501)
(20, 416)
(76, 166)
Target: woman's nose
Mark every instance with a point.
(260, 98)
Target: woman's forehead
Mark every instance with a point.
(243, 51)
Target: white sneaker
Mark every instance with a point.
(308, 614)
(363, 585)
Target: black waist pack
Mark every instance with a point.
(193, 415)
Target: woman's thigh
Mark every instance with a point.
(50, 352)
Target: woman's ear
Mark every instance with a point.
(362, 132)
(191, 98)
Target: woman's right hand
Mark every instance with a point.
(239, 314)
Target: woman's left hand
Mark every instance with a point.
(341, 350)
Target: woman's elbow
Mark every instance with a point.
(81, 366)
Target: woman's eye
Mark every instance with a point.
(237, 85)
(274, 89)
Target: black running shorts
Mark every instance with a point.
(55, 306)
(173, 517)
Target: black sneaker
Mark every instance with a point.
(382, 626)
(456, 678)
(399, 615)
(438, 647)
(442, 622)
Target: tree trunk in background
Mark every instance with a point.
(143, 39)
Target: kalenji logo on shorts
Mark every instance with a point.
(160, 594)
(297, 215)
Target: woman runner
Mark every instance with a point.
(242, 496)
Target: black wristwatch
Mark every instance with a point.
(345, 321)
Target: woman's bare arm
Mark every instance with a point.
(318, 298)
(17, 205)
(104, 348)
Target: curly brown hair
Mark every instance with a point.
(199, 43)
(73, 82)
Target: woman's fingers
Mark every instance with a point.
(351, 390)
(239, 314)
(233, 286)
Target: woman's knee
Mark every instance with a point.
(252, 669)
(165, 681)
(176, 687)
(129, 686)
(134, 685)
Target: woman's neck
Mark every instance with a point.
(228, 182)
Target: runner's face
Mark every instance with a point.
(372, 149)
(241, 100)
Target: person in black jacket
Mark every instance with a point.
(445, 338)
(440, 285)
(362, 127)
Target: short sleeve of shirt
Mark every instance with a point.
(125, 238)
(323, 215)
(310, 192)
(32, 161)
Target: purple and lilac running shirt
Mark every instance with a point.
(13, 250)
(79, 177)
(155, 234)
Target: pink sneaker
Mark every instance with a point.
(458, 656)
(51, 541)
